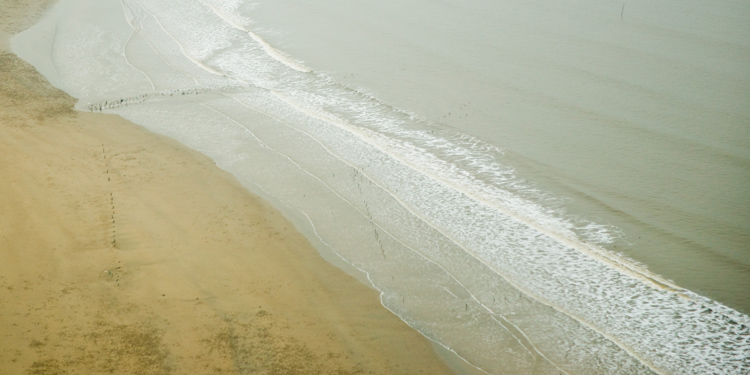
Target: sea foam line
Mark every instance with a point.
(595, 252)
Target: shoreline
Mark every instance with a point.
(122, 251)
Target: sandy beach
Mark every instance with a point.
(124, 252)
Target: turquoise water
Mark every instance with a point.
(538, 188)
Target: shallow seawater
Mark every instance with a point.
(538, 188)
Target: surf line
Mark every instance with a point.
(603, 256)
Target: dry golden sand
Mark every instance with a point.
(123, 252)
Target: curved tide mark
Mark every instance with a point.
(52, 51)
(527, 339)
(164, 59)
(182, 48)
(135, 29)
(382, 294)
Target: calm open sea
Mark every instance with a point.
(538, 187)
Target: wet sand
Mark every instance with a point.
(124, 252)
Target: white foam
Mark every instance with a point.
(278, 55)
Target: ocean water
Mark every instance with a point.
(537, 187)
